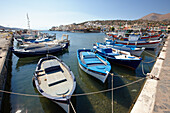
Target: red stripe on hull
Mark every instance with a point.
(137, 43)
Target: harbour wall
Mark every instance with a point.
(5, 54)
(146, 101)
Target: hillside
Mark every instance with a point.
(157, 17)
(2, 27)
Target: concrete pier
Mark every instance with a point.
(162, 100)
(155, 95)
(5, 43)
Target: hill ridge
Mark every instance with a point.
(156, 17)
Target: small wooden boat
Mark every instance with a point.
(54, 80)
(39, 49)
(118, 57)
(93, 64)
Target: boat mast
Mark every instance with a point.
(28, 23)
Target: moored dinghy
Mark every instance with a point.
(93, 64)
(55, 81)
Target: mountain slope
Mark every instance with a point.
(2, 27)
(156, 17)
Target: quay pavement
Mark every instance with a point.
(155, 95)
(162, 100)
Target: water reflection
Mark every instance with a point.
(34, 60)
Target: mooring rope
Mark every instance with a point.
(149, 53)
(72, 107)
(107, 90)
(149, 61)
(74, 95)
(21, 94)
(143, 70)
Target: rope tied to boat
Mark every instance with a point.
(149, 61)
(149, 75)
(72, 107)
(143, 70)
(74, 95)
(149, 53)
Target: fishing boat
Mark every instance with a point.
(134, 36)
(39, 49)
(132, 49)
(118, 57)
(28, 39)
(93, 64)
(55, 81)
(152, 44)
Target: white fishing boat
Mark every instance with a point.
(55, 81)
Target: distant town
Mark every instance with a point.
(110, 25)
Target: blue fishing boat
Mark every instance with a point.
(93, 64)
(118, 57)
(132, 49)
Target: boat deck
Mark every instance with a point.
(54, 80)
(93, 62)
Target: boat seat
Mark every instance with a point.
(93, 62)
(38, 71)
(57, 82)
(38, 75)
(88, 55)
(50, 63)
(113, 54)
(55, 78)
(53, 69)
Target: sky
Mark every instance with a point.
(43, 14)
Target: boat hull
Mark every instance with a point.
(132, 52)
(130, 63)
(98, 76)
(146, 44)
(133, 64)
(65, 105)
(39, 52)
(136, 52)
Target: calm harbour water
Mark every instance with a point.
(20, 80)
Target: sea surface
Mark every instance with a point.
(20, 81)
